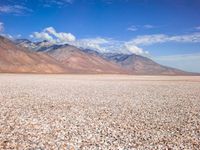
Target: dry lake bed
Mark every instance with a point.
(75, 112)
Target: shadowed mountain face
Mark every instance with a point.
(76, 60)
(141, 65)
(16, 59)
(35, 46)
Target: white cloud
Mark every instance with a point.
(62, 36)
(43, 36)
(14, 9)
(1, 27)
(133, 46)
(162, 38)
(51, 30)
(132, 28)
(190, 38)
(113, 46)
(135, 49)
(105, 45)
(149, 39)
(51, 35)
(98, 44)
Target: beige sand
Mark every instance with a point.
(99, 112)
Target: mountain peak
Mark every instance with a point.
(78, 60)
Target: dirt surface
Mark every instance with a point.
(99, 112)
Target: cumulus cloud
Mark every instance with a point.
(42, 36)
(1, 27)
(113, 46)
(135, 49)
(98, 43)
(105, 45)
(108, 45)
(14, 9)
(162, 38)
(51, 35)
(61, 36)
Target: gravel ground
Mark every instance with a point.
(75, 112)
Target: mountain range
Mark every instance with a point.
(25, 56)
(16, 59)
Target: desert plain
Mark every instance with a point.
(99, 112)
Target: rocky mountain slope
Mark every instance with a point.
(141, 65)
(15, 59)
(136, 64)
(75, 59)
(28, 57)
(89, 61)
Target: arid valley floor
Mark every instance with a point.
(99, 112)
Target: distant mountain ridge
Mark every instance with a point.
(70, 59)
(82, 62)
(36, 46)
(136, 64)
(23, 56)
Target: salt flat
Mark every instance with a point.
(99, 112)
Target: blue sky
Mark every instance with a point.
(166, 30)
